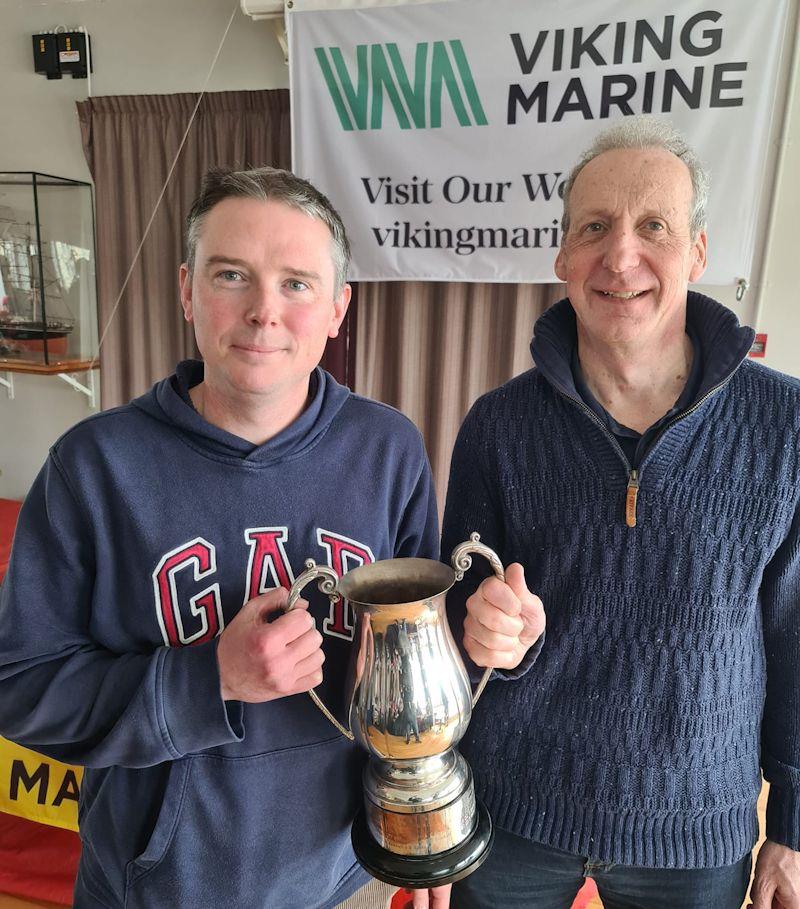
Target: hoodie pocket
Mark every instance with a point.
(267, 831)
(166, 824)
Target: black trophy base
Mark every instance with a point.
(417, 872)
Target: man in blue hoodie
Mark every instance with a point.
(646, 474)
(142, 631)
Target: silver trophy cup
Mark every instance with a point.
(410, 703)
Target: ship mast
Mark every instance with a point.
(31, 271)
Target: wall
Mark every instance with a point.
(139, 47)
(779, 313)
(164, 46)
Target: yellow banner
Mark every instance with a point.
(37, 787)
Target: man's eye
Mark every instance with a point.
(593, 228)
(654, 225)
(294, 284)
(230, 275)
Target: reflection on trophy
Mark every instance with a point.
(409, 705)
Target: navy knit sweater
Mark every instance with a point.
(670, 672)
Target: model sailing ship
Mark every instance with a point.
(29, 286)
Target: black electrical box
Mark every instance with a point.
(57, 53)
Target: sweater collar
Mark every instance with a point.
(724, 343)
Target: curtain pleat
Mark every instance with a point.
(430, 349)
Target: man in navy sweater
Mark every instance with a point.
(141, 624)
(646, 476)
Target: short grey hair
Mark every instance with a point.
(647, 132)
(268, 184)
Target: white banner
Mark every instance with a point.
(443, 132)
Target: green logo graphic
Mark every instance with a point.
(380, 68)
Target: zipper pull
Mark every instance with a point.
(630, 499)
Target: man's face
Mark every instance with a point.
(261, 297)
(628, 256)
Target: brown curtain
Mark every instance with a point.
(130, 143)
(430, 349)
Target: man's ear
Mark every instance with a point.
(700, 254)
(340, 304)
(560, 267)
(185, 279)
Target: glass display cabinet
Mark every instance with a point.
(48, 292)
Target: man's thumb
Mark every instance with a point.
(265, 606)
(515, 578)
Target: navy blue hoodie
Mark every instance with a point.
(143, 535)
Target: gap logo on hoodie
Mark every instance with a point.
(198, 618)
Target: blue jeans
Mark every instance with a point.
(520, 874)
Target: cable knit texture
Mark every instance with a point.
(636, 736)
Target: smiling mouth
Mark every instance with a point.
(622, 295)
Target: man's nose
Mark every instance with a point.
(264, 306)
(622, 250)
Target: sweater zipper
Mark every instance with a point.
(634, 475)
(631, 497)
(690, 411)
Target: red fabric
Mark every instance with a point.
(9, 510)
(37, 862)
(586, 894)
(402, 899)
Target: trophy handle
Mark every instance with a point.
(461, 560)
(328, 579)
